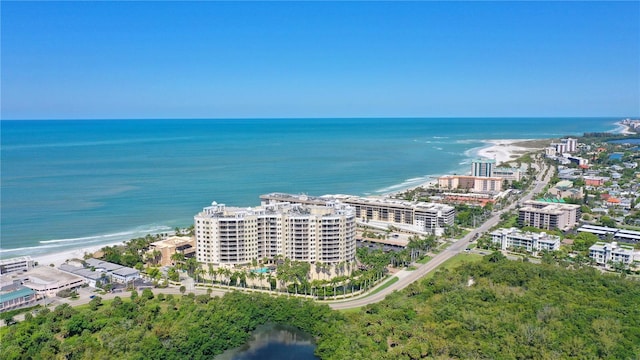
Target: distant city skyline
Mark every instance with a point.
(103, 60)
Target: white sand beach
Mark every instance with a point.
(60, 257)
(504, 151)
(624, 129)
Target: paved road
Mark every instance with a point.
(408, 277)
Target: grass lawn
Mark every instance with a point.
(510, 222)
(424, 260)
(385, 285)
(456, 261)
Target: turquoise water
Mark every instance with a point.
(70, 184)
(260, 271)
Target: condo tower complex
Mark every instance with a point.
(227, 236)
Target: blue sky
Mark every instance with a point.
(319, 59)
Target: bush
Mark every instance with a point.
(64, 293)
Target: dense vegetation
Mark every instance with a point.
(499, 309)
(184, 327)
(495, 308)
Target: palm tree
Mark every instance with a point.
(282, 277)
(334, 283)
(192, 264)
(261, 278)
(178, 259)
(212, 273)
(269, 277)
(221, 273)
(318, 267)
(227, 273)
(252, 276)
(153, 256)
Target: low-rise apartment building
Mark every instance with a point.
(506, 173)
(605, 253)
(17, 264)
(532, 242)
(549, 216)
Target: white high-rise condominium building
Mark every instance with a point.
(236, 236)
(571, 144)
(483, 167)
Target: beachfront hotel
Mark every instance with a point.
(479, 184)
(230, 236)
(419, 217)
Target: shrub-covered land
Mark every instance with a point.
(499, 310)
(493, 309)
(181, 327)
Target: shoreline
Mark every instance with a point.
(507, 150)
(624, 129)
(503, 150)
(61, 257)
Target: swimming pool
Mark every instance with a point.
(263, 270)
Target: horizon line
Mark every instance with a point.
(635, 117)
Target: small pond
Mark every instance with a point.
(273, 341)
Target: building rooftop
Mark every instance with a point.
(15, 294)
(100, 264)
(613, 247)
(84, 272)
(44, 275)
(125, 271)
(172, 241)
(542, 236)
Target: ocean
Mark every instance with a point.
(70, 183)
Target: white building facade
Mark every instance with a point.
(532, 242)
(416, 216)
(229, 236)
(604, 253)
(483, 167)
